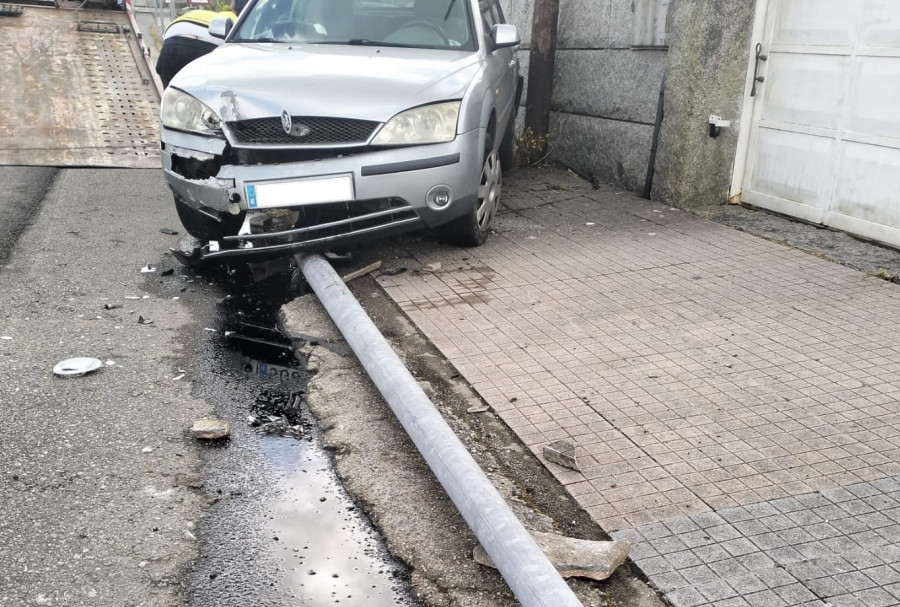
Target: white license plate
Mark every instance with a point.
(334, 188)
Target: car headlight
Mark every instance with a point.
(427, 124)
(185, 113)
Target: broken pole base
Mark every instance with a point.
(573, 557)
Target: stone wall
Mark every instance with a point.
(605, 94)
(709, 48)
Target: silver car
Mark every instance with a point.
(319, 123)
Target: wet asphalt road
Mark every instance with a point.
(22, 190)
(105, 498)
(96, 503)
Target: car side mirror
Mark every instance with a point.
(219, 27)
(505, 35)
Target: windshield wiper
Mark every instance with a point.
(362, 42)
(261, 39)
(367, 42)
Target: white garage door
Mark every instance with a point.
(825, 139)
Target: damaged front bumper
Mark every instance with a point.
(379, 192)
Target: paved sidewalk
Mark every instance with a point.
(734, 401)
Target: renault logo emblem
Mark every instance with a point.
(286, 121)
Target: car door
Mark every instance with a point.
(502, 66)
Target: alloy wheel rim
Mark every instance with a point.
(489, 191)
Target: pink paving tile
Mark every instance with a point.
(725, 368)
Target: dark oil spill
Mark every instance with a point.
(281, 531)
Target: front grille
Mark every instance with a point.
(322, 131)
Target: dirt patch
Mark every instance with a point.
(833, 245)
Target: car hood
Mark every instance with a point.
(246, 81)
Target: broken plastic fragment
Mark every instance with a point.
(147, 269)
(335, 256)
(77, 366)
(144, 321)
(169, 232)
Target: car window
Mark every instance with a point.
(491, 14)
(439, 24)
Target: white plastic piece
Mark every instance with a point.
(77, 366)
(718, 122)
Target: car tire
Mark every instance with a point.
(507, 149)
(204, 227)
(472, 229)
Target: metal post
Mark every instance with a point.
(523, 565)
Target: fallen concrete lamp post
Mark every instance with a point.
(527, 570)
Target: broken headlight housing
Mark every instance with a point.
(183, 112)
(434, 123)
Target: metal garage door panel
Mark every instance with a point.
(794, 167)
(875, 98)
(881, 24)
(801, 89)
(825, 135)
(866, 194)
(815, 22)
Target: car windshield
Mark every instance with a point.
(433, 24)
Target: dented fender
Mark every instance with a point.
(213, 193)
(190, 145)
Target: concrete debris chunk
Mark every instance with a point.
(361, 271)
(210, 428)
(573, 557)
(562, 452)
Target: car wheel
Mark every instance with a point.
(507, 146)
(204, 227)
(472, 229)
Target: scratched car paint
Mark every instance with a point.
(320, 123)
